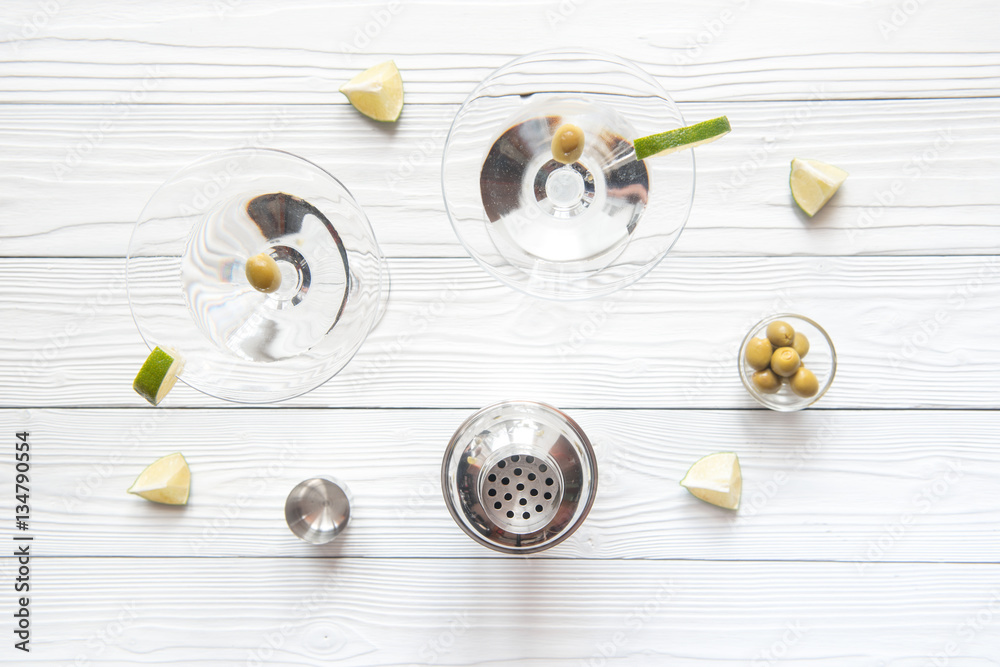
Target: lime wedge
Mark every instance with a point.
(813, 183)
(377, 92)
(716, 479)
(158, 375)
(166, 480)
(681, 138)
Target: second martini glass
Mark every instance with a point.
(189, 291)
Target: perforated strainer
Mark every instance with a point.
(519, 476)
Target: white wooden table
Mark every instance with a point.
(870, 527)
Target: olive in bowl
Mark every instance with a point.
(800, 362)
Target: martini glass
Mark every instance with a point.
(565, 231)
(188, 288)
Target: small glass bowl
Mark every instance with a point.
(821, 360)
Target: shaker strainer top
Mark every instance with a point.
(519, 476)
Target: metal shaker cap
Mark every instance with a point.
(519, 476)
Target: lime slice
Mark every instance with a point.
(166, 480)
(716, 479)
(377, 92)
(813, 183)
(158, 375)
(681, 138)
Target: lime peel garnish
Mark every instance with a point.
(691, 136)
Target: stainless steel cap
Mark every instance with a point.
(318, 509)
(519, 476)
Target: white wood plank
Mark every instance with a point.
(868, 486)
(208, 612)
(923, 174)
(817, 569)
(301, 52)
(910, 332)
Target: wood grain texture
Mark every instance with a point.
(868, 532)
(255, 52)
(922, 174)
(862, 486)
(455, 337)
(538, 612)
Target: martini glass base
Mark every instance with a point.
(307, 248)
(544, 215)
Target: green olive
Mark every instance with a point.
(785, 361)
(263, 273)
(758, 353)
(804, 382)
(567, 144)
(766, 381)
(780, 333)
(800, 344)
